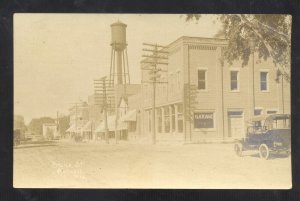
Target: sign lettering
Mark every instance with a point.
(203, 120)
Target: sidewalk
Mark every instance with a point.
(29, 144)
(149, 141)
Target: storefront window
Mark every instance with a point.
(149, 120)
(173, 118)
(203, 120)
(159, 120)
(167, 119)
(180, 118)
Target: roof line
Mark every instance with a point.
(195, 37)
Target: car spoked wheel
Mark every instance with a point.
(238, 149)
(264, 152)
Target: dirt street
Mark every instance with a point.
(125, 165)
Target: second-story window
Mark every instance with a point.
(171, 80)
(257, 112)
(234, 80)
(178, 80)
(202, 79)
(264, 81)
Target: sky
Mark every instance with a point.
(57, 56)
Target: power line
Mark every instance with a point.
(157, 57)
(104, 87)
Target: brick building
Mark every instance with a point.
(226, 96)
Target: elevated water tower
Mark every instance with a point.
(119, 69)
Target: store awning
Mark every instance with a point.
(129, 116)
(71, 129)
(111, 123)
(121, 125)
(87, 127)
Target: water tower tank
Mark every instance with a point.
(118, 36)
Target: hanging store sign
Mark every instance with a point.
(203, 120)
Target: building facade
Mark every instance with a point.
(201, 98)
(50, 131)
(79, 117)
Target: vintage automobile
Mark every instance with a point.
(268, 135)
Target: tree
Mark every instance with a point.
(19, 123)
(271, 34)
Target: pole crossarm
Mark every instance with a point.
(158, 51)
(159, 70)
(155, 82)
(156, 58)
(154, 45)
(153, 62)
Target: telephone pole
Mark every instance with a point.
(103, 94)
(190, 96)
(76, 106)
(57, 124)
(157, 57)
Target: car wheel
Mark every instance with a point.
(264, 151)
(238, 149)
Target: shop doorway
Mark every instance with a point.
(235, 124)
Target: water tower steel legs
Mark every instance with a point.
(124, 69)
(127, 66)
(119, 67)
(111, 78)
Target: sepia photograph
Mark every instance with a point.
(152, 101)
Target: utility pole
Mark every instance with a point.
(103, 93)
(76, 105)
(57, 124)
(158, 57)
(279, 75)
(105, 111)
(190, 98)
(252, 49)
(282, 94)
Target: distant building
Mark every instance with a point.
(79, 116)
(123, 126)
(50, 131)
(84, 118)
